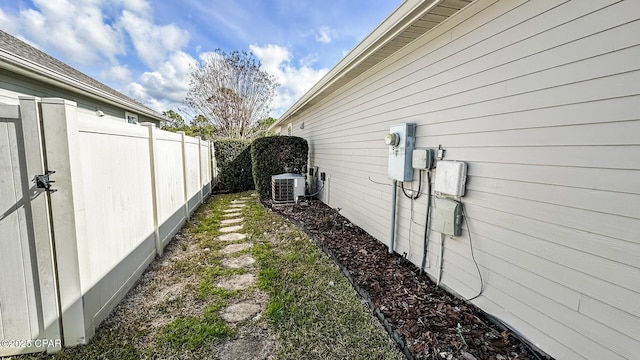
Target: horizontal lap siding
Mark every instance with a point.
(12, 86)
(542, 100)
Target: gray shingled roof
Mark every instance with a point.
(37, 58)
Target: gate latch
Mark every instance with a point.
(43, 181)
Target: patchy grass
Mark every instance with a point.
(191, 331)
(174, 311)
(311, 305)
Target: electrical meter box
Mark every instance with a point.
(401, 140)
(451, 177)
(447, 217)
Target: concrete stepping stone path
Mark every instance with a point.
(252, 347)
(231, 221)
(232, 237)
(241, 311)
(244, 347)
(234, 248)
(236, 282)
(231, 228)
(238, 262)
(230, 215)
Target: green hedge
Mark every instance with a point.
(233, 157)
(271, 155)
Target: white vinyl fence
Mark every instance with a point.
(122, 192)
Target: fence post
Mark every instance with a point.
(200, 182)
(207, 169)
(184, 174)
(68, 214)
(154, 186)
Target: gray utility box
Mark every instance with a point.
(451, 177)
(401, 140)
(447, 217)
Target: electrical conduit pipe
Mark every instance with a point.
(394, 194)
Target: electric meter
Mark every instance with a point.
(392, 139)
(401, 140)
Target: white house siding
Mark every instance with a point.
(542, 100)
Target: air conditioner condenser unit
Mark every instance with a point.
(287, 188)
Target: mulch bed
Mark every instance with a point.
(423, 316)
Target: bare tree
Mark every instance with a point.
(232, 92)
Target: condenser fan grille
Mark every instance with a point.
(282, 190)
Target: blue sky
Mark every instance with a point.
(144, 48)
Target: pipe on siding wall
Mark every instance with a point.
(442, 236)
(394, 194)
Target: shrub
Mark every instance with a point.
(233, 157)
(276, 155)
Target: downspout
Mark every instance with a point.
(394, 194)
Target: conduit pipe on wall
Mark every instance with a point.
(442, 236)
(394, 193)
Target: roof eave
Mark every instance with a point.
(32, 70)
(396, 23)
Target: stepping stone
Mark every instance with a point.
(237, 206)
(253, 347)
(234, 248)
(231, 229)
(232, 237)
(231, 210)
(254, 194)
(238, 201)
(231, 221)
(232, 214)
(236, 282)
(239, 262)
(241, 311)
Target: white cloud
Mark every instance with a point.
(167, 86)
(119, 74)
(205, 56)
(78, 32)
(137, 6)
(7, 23)
(95, 32)
(325, 34)
(294, 81)
(153, 43)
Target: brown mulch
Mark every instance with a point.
(423, 315)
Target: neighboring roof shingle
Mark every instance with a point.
(13, 45)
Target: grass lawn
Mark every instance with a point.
(311, 305)
(310, 310)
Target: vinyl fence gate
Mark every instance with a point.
(29, 307)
